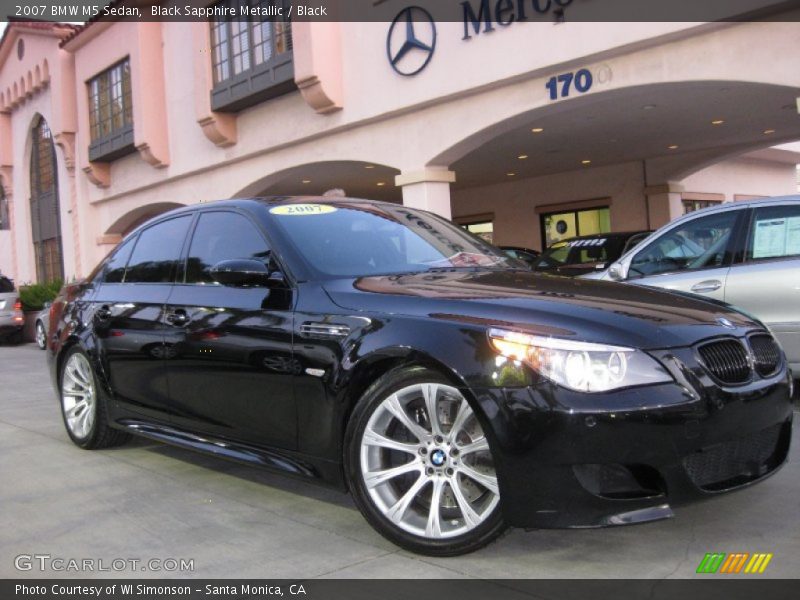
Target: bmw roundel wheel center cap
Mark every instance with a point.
(438, 457)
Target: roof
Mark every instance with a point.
(739, 204)
(34, 25)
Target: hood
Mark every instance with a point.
(587, 310)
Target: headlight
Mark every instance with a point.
(580, 366)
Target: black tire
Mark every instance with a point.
(487, 531)
(100, 434)
(41, 335)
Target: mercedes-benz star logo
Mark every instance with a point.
(411, 40)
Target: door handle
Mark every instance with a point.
(710, 285)
(103, 313)
(177, 317)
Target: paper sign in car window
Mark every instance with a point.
(302, 210)
(769, 239)
(792, 236)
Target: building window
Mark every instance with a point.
(693, 205)
(483, 229)
(5, 219)
(45, 207)
(111, 113)
(565, 225)
(251, 60)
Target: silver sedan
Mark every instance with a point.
(743, 253)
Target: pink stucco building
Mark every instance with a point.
(105, 125)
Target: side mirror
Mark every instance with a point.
(618, 271)
(243, 272)
(46, 305)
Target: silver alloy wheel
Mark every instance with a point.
(78, 398)
(426, 464)
(41, 336)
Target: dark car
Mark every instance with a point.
(588, 253)
(387, 352)
(526, 255)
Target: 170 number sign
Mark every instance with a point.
(560, 86)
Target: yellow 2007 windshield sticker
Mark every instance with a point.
(302, 209)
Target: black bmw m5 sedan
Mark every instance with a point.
(385, 351)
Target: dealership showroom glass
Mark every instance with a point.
(279, 237)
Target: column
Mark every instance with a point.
(428, 189)
(663, 203)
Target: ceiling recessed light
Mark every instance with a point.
(717, 121)
(649, 106)
(522, 156)
(369, 166)
(381, 183)
(673, 147)
(511, 174)
(537, 130)
(768, 131)
(586, 161)
(306, 181)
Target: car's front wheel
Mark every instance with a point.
(420, 467)
(83, 405)
(41, 335)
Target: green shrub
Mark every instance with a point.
(34, 295)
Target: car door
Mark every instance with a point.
(695, 256)
(128, 316)
(767, 283)
(231, 367)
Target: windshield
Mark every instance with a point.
(352, 240)
(581, 251)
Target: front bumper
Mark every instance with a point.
(567, 459)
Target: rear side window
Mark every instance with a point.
(6, 286)
(774, 233)
(115, 267)
(157, 251)
(222, 236)
(699, 243)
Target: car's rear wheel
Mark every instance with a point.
(41, 335)
(420, 466)
(83, 405)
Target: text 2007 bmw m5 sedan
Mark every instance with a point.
(386, 351)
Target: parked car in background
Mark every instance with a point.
(12, 320)
(526, 255)
(42, 326)
(587, 253)
(744, 253)
(388, 352)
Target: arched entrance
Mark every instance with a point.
(45, 209)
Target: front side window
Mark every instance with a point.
(111, 112)
(774, 233)
(700, 243)
(251, 57)
(157, 251)
(222, 236)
